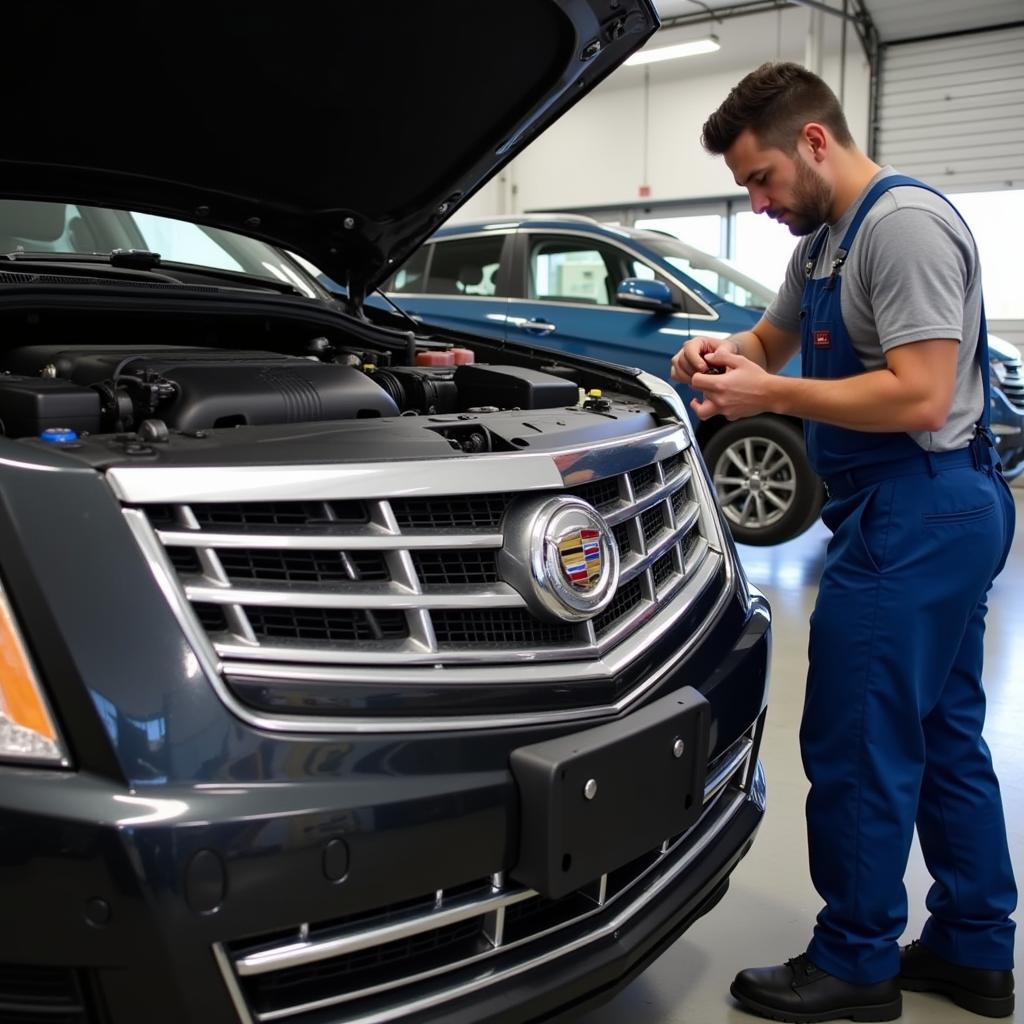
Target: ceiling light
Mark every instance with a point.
(691, 49)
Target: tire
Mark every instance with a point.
(766, 487)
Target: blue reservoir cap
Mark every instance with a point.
(59, 435)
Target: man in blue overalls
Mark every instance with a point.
(883, 298)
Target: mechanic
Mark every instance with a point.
(883, 299)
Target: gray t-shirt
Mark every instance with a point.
(912, 274)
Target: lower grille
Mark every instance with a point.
(383, 966)
(33, 995)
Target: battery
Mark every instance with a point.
(30, 405)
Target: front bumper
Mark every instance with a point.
(145, 903)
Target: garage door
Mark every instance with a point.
(952, 110)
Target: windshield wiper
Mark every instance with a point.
(141, 259)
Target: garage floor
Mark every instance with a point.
(768, 912)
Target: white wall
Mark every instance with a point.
(604, 149)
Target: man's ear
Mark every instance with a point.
(815, 137)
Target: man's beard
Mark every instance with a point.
(812, 201)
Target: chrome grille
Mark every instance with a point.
(1012, 384)
(374, 589)
(385, 964)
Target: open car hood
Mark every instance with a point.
(343, 132)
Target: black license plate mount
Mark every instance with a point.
(596, 799)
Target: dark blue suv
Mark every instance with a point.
(634, 297)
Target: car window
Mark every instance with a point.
(40, 227)
(715, 274)
(573, 270)
(465, 266)
(410, 276)
(182, 242)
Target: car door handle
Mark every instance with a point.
(536, 324)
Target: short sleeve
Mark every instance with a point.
(917, 265)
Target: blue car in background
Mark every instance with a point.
(634, 297)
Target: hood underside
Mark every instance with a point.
(344, 132)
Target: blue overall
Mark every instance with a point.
(892, 723)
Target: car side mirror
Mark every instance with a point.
(641, 293)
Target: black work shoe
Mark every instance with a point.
(800, 991)
(989, 993)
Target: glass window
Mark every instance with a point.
(571, 270)
(182, 242)
(637, 268)
(704, 231)
(995, 220)
(38, 227)
(717, 275)
(410, 275)
(60, 228)
(466, 266)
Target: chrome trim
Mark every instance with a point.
(167, 580)
(714, 783)
(370, 596)
(280, 958)
(519, 471)
(223, 962)
(470, 474)
(356, 541)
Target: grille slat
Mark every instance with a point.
(1012, 385)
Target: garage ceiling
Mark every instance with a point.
(911, 19)
(894, 19)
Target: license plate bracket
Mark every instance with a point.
(647, 772)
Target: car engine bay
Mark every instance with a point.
(117, 397)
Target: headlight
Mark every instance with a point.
(27, 729)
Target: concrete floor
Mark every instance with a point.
(767, 915)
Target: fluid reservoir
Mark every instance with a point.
(433, 357)
(463, 356)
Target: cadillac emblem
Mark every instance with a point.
(560, 554)
(580, 555)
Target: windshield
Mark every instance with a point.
(717, 275)
(34, 227)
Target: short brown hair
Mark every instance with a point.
(775, 102)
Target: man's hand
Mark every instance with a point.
(690, 358)
(741, 390)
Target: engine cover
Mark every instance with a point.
(224, 388)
